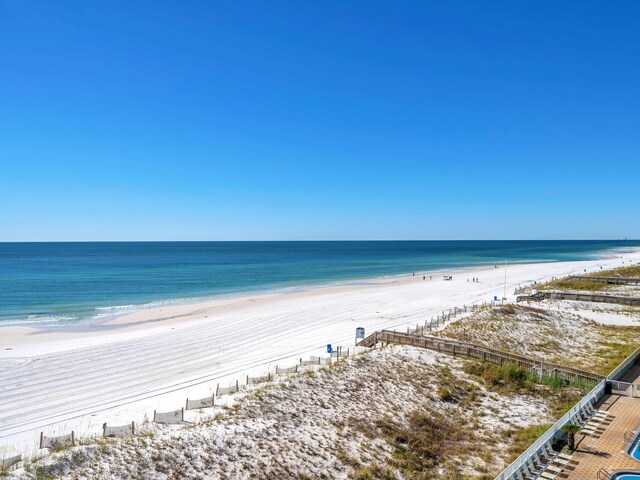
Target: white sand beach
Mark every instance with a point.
(76, 379)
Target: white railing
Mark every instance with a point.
(625, 389)
(592, 397)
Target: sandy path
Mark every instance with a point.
(120, 371)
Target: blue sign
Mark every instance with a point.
(495, 298)
(329, 350)
(360, 332)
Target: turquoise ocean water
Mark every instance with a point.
(47, 284)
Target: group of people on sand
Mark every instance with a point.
(424, 277)
(474, 279)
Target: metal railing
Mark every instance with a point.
(592, 397)
(628, 436)
(603, 474)
(624, 389)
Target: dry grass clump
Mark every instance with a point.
(613, 352)
(520, 439)
(374, 471)
(510, 379)
(426, 441)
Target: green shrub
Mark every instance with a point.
(445, 394)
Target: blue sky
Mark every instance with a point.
(319, 120)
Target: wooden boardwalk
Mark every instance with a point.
(481, 352)
(580, 297)
(611, 280)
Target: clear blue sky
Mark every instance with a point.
(319, 120)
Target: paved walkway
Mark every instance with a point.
(607, 448)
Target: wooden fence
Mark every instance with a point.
(581, 297)
(447, 315)
(454, 347)
(612, 280)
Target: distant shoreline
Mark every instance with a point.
(94, 313)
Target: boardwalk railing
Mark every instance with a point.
(455, 347)
(612, 280)
(591, 398)
(581, 297)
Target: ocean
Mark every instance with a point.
(55, 284)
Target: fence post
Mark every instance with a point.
(73, 439)
(154, 416)
(181, 415)
(237, 386)
(104, 429)
(133, 428)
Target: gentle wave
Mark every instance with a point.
(64, 284)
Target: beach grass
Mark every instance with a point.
(575, 284)
(632, 271)
(522, 438)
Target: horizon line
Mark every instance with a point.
(338, 240)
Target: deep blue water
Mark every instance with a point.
(634, 451)
(58, 283)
